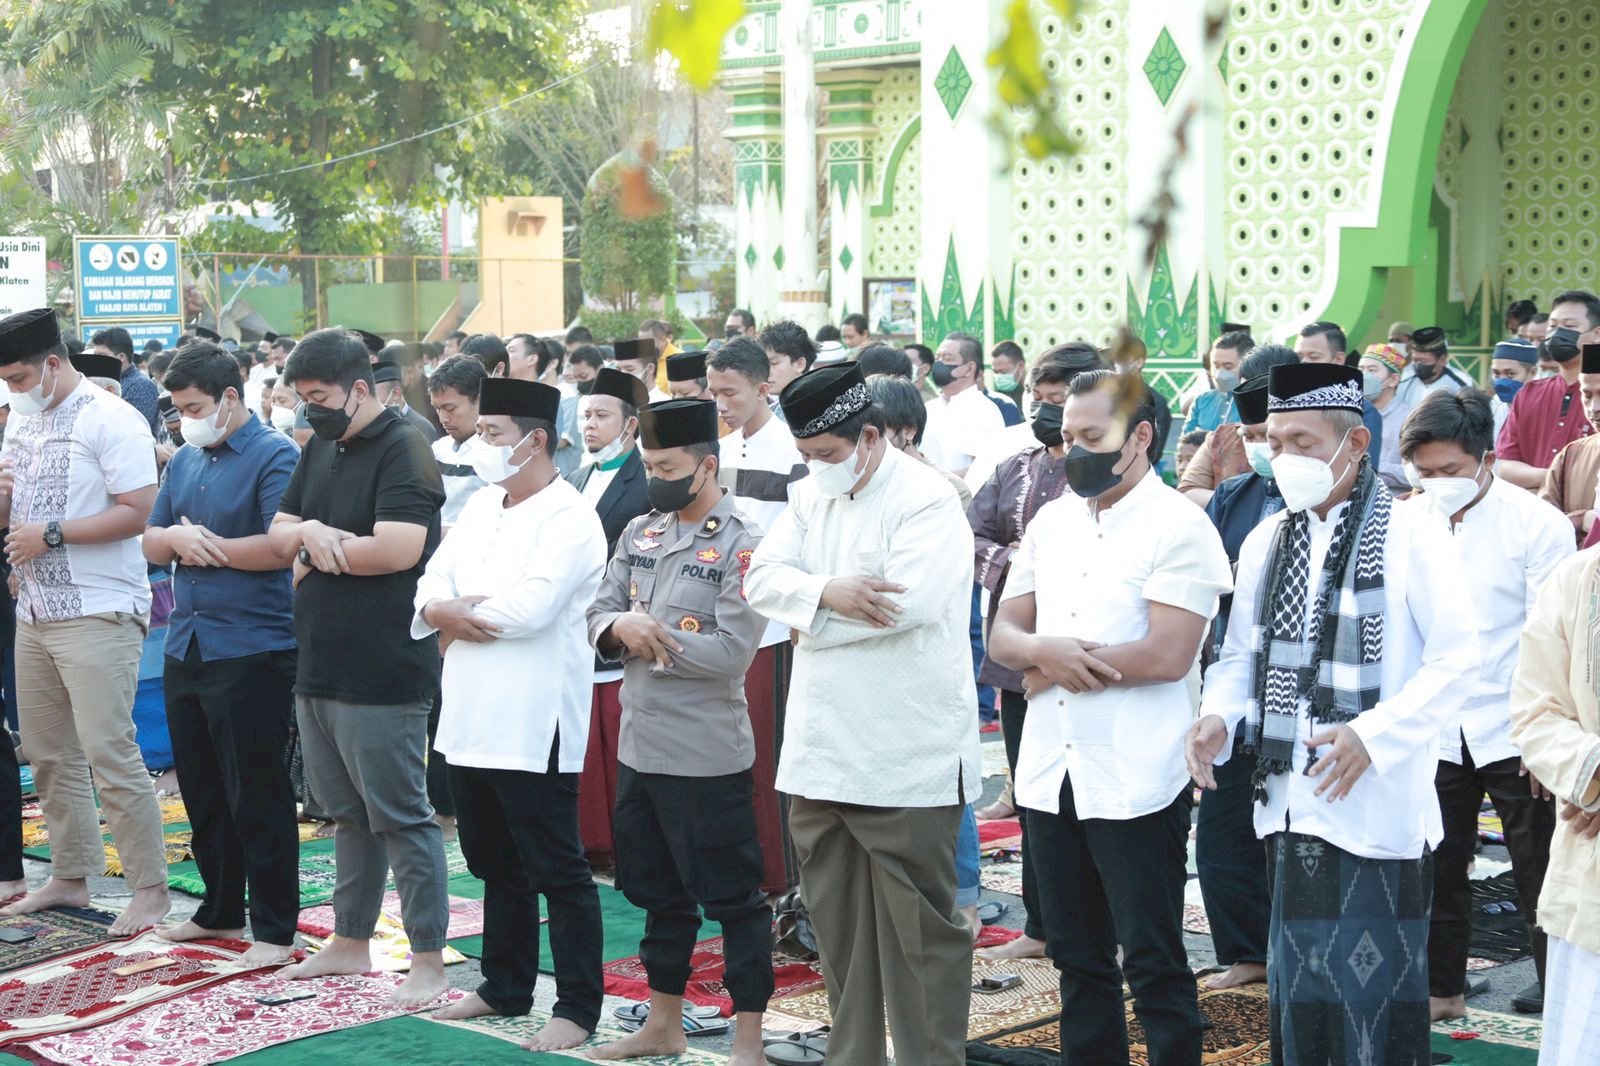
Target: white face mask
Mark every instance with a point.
(835, 479)
(204, 432)
(1259, 455)
(1305, 481)
(283, 418)
(35, 399)
(608, 452)
(1446, 495)
(493, 463)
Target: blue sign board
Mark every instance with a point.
(165, 332)
(127, 278)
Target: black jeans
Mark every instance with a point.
(229, 720)
(1232, 862)
(10, 812)
(683, 841)
(1013, 713)
(438, 770)
(519, 833)
(1105, 882)
(1529, 824)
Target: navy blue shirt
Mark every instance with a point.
(233, 490)
(1237, 506)
(142, 395)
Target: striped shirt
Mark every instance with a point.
(758, 470)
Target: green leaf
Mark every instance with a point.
(691, 31)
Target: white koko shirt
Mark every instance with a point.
(1430, 661)
(539, 563)
(1094, 579)
(959, 427)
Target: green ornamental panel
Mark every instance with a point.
(951, 315)
(1164, 66)
(952, 83)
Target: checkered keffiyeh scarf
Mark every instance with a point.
(1328, 652)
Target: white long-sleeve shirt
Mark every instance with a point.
(539, 563)
(879, 717)
(759, 470)
(1430, 660)
(1510, 542)
(958, 428)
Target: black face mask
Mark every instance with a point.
(585, 387)
(666, 496)
(943, 374)
(1047, 425)
(1090, 474)
(329, 423)
(1426, 373)
(1562, 344)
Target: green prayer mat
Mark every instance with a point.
(1502, 1039)
(176, 837)
(317, 874)
(623, 922)
(396, 1040)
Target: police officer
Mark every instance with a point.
(671, 607)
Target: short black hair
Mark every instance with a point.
(1539, 318)
(1195, 437)
(1059, 365)
(850, 428)
(789, 339)
(208, 367)
(526, 425)
(826, 333)
(159, 363)
(901, 402)
(152, 346)
(554, 352)
(117, 339)
(332, 356)
(487, 349)
(1261, 360)
(921, 353)
(1521, 311)
(1144, 407)
(744, 316)
(742, 355)
(856, 321)
(1463, 418)
(580, 335)
(882, 359)
(1236, 341)
(1009, 349)
(971, 349)
(1589, 300)
(456, 335)
(284, 344)
(588, 355)
(463, 374)
(245, 358)
(699, 450)
(1330, 330)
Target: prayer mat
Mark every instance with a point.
(1490, 829)
(1500, 1040)
(466, 916)
(79, 990)
(316, 874)
(228, 1020)
(1501, 936)
(27, 780)
(36, 832)
(400, 1040)
(391, 947)
(627, 978)
(999, 829)
(994, 758)
(55, 932)
(1195, 920)
(516, 1030)
(622, 921)
(1237, 1035)
(1003, 877)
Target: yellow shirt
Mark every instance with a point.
(1555, 721)
(661, 364)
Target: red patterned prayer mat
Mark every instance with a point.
(626, 977)
(999, 829)
(466, 916)
(225, 1021)
(80, 989)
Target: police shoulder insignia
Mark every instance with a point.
(712, 525)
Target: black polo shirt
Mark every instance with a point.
(355, 632)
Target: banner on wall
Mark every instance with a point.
(22, 274)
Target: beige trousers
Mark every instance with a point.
(880, 883)
(75, 688)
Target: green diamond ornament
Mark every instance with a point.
(952, 83)
(1164, 67)
(845, 258)
(750, 256)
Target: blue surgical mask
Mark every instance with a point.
(1506, 388)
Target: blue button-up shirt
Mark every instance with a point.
(233, 490)
(141, 393)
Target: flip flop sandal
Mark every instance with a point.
(991, 912)
(713, 1026)
(638, 1012)
(797, 1049)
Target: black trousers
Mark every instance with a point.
(229, 721)
(684, 843)
(519, 833)
(1104, 882)
(438, 778)
(10, 812)
(1013, 713)
(1232, 862)
(1529, 824)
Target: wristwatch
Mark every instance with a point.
(52, 535)
(305, 556)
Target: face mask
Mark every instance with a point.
(1005, 383)
(1506, 388)
(283, 418)
(1425, 374)
(1399, 346)
(204, 432)
(675, 495)
(1047, 425)
(493, 463)
(1372, 384)
(1446, 495)
(1305, 481)
(1091, 474)
(835, 479)
(1562, 344)
(610, 451)
(35, 399)
(585, 387)
(1225, 380)
(943, 374)
(1259, 453)
(329, 423)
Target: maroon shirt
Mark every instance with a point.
(1546, 416)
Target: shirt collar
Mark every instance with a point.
(132, 371)
(241, 437)
(614, 464)
(385, 419)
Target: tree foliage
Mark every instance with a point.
(626, 259)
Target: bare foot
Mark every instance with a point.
(324, 831)
(651, 1040)
(1444, 1009)
(970, 916)
(447, 825)
(1024, 947)
(261, 955)
(471, 1007)
(148, 906)
(341, 955)
(12, 890)
(189, 931)
(56, 892)
(425, 983)
(558, 1034)
(1238, 975)
(747, 1049)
